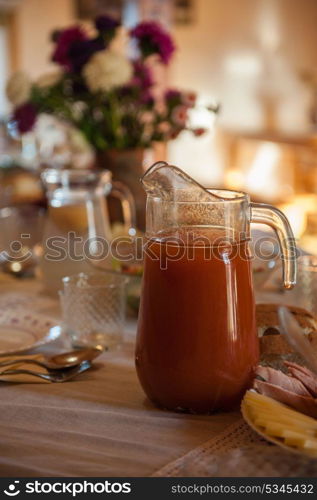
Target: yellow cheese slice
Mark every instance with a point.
(280, 424)
(301, 442)
(276, 428)
(270, 405)
(282, 418)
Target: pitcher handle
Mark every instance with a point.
(273, 217)
(123, 193)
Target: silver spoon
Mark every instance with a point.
(59, 361)
(58, 376)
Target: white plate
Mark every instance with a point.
(21, 330)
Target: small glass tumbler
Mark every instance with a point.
(93, 307)
(306, 287)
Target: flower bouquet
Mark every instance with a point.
(111, 99)
(116, 104)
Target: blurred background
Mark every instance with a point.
(256, 59)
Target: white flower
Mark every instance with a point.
(82, 152)
(107, 69)
(78, 141)
(48, 79)
(78, 108)
(120, 41)
(62, 144)
(50, 133)
(18, 88)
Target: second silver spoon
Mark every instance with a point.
(59, 361)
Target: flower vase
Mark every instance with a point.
(126, 167)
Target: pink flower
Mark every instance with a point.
(189, 99)
(147, 117)
(164, 127)
(180, 115)
(160, 107)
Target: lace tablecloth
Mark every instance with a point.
(239, 452)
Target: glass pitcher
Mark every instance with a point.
(77, 232)
(197, 341)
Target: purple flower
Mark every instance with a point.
(78, 86)
(142, 76)
(65, 39)
(153, 39)
(173, 95)
(142, 97)
(80, 52)
(54, 35)
(147, 99)
(25, 117)
(106, 25)
(139, 87)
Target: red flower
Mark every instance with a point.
(175, 133)
(153, 39)
(25, 117)
(199, 131)
(65, 40)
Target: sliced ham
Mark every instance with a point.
(298, 389)
(305, 376)
(303, 369)
(276, 377)
(304, 404)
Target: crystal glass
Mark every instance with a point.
(306, 290)
(21, 223)
(93, 307)
(78, 223)
(21, 230)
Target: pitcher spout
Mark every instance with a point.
(171, 183)
(149, 178)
